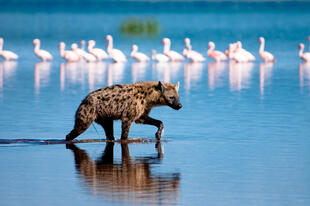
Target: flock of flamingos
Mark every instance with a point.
(234, 52)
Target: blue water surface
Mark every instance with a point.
(241, 138)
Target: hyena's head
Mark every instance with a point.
(170, 95)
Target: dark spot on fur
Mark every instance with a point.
(142, 102)
(113, 95)
(119, 86)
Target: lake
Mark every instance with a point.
(241, 138)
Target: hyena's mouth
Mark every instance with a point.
(177, 107)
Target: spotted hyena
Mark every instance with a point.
(126, 102)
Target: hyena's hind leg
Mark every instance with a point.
(83, 119)
(107, 125)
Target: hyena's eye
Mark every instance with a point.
(172, 97)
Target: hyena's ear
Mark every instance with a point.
(177, 86)
(161, 87)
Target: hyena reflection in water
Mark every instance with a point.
(130, 180)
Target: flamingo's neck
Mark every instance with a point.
(166, 47)
(1, 45)
(262, 46)
(83, 46)
(62, 51)
(90, 47)
(110, 45)
(210, 49)
(188, 46)
(133, 52)
(36, 47)
(301, 51)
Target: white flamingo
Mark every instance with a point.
(82, 53)
(192, 55)
(7, 55)
(115, 54)
(304, 55)
(97, 52)
(214, 54)
(139, 56)
(239, 49)
(264, 55)
(159, 57)
(173, 55)
(68, 55)
(40, 53)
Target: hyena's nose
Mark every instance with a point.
(179, 106)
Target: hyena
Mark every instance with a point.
(126, 102)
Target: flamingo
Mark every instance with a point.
(264, 55)
(192, 55)
(69, 56)
(214, 54)
(302, 55)
(115, 54)
(97, 52)
(173, 55)
(138, 55)
(236, 55)
(159, 57)
(40, 53)
(231, 49)
(239, 48)
(82, 53)
(7, 55)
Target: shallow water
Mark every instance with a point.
(241, 137)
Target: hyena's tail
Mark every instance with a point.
(84, 116)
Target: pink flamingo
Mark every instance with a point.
(115, 54)
(214, 54)
(69, 56)
(82, 53)
(173, 55)
(159, 57)
(302, 55)
(192, 55)
(7, 55)
(40, 53)
(97, 52)
(138, 55)
(266, 56)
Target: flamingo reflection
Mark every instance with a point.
(7, 70)
(166, 71)
(239, 75)
(128, 179)
(115, 72)
(138, 70)
(304, 73)
(96, 73)
(265, 69)
(71, 72)
(192, 74)
(41, 74)
(215, 71)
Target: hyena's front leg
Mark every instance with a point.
(149, 120)
(126, 124)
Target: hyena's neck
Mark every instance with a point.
(151, 96)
